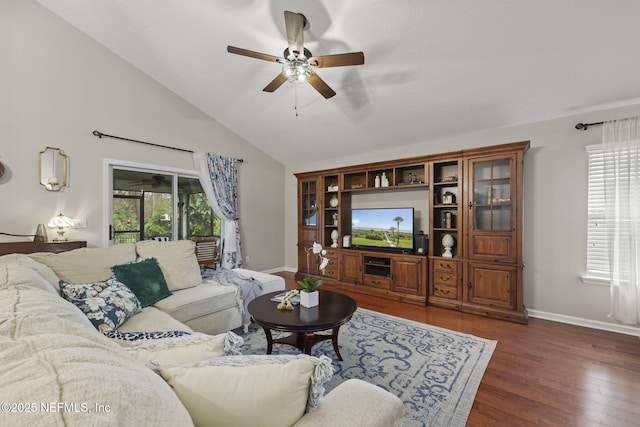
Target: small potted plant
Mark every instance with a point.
(448, 197)
(309, 296)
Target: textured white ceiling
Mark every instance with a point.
(432, 67)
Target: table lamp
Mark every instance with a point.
(60, 222)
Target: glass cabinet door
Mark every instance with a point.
(308, 201)
(492, 213)
(492, 195)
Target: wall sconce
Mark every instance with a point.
(53, 169)
(60, 222)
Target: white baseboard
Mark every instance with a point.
(587, 323)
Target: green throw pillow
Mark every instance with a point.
(145, 279)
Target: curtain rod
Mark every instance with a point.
(585, 126)
(104, 135)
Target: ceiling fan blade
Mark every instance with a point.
(339, 60)
(253, 54)
(275, 83)
(321, 86)
(294, 23)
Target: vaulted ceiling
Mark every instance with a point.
(432, 68)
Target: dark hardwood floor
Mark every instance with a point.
(543, 373)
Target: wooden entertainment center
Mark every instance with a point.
(474, 259)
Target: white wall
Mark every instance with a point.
(57, 86)
(555, 219)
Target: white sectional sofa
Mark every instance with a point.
(58, 369)
(208, 307)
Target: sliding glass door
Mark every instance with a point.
(160, 205)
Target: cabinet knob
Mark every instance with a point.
(469, 285)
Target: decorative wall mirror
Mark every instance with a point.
(53, 169)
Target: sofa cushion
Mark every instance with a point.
(50, 352)
(107, 304)
(294, 384)
(357, 403)
(184, 349)
(198, 301)
(145, 279)
(87, 265)
(177, 260)
(150, 319)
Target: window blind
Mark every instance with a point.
(598, 227)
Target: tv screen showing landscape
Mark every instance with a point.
(382, 227)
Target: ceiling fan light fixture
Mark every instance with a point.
(297, 71)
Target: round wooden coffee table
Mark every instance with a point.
(335, 309)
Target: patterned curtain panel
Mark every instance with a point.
(219, 179)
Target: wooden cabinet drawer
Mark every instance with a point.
(332, 254)
(445, 278)
(377, 281)
(445, 291)
(333, 264)
(331, 272)
(445, 265)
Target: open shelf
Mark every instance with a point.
(377, 266)
(414, 175)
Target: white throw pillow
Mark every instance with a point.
(183, 349)
(250, 390)
(177, 261)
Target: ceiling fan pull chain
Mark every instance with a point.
(295, 98)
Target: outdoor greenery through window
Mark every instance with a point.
(143, 207)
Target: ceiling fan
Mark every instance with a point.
(155, 181)
(298, 62)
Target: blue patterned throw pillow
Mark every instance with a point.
(106, 304)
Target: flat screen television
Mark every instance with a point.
(384, 228)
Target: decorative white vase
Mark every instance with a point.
(447, 243)
(334, 238)
(309, 299)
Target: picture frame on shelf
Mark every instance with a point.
(448, 198)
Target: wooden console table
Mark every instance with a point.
(31, 247)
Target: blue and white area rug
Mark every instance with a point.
(435, 372)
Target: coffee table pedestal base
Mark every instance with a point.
(303, 341)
